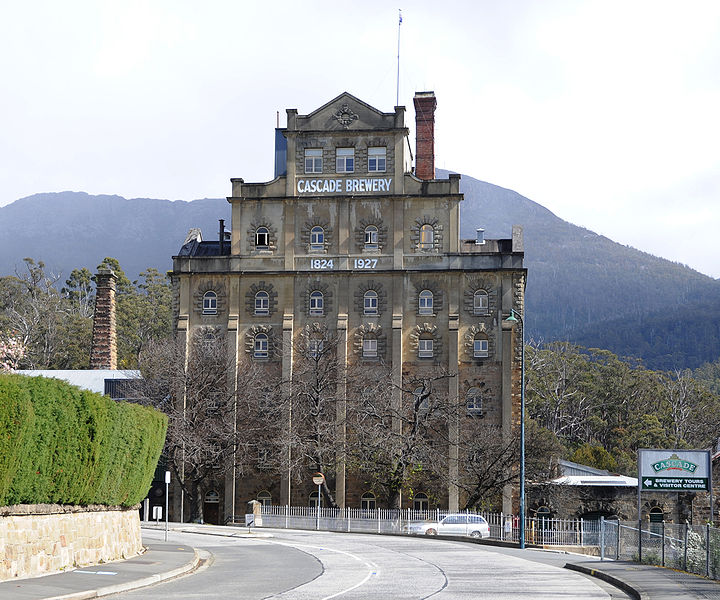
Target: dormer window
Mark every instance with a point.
(209, 303)
(345, 160)
(262, 238)
(313, 160)
(376, 160)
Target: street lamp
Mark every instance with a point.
(513, 320)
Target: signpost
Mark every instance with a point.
(318, 480)
(673, 471)
(167, 485)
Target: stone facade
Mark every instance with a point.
(365, 249)
(42, 539)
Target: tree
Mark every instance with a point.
(12, 351)
(200, 403)
(395, 444)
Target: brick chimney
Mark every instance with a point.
(103, 354)
(425, 104)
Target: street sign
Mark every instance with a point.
(318, 479)
(674, 470)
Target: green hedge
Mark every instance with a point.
(60, 444)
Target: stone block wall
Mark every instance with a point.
(42, 539)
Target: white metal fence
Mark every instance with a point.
(547, 532)
(691, 548)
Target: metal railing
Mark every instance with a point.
(691, 548)
(503, 527)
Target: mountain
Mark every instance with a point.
(582, 286)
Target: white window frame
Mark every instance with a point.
(368, 501)
(262, 238)
(317, 303)
(344, 160)
(480, 347)
(370, 302)
(262, 303)
(317, 238)
(425, 347)
(481, 302)
(313, 160)
(377, 159)
(425, 303)
(261, 345)
(314, 499)
(265, 498)
(370, 348)
(421, 502)
(473, 400)
(315, 347)
(426, 240)
(371, 237)
(209, 303)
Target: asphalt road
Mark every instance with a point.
(302, 565)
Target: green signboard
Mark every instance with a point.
(674, 470)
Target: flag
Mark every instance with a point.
(400, 16)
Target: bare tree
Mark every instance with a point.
(192, 386)
(395, 444)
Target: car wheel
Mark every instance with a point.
(476, 534)
(431, 531)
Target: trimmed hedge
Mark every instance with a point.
(63, 445)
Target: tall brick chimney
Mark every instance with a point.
(425, 104)
(103, 354)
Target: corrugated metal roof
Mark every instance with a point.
(86, 379)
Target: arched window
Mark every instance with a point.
(314, 500)
(209, 303)
(421, 502)
(317, 305)
(370, 302)
(474, 401)
(367, 502)
(371, 237)
(425, 302)
(427, 237)
(262, 238)
(480, 302)
(264, 498)
(262, 303)
(370, 347)
(480, 346)
(425, 347)
(261, 346)
(212, 497)
(317, 238)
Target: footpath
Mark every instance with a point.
(166, 560)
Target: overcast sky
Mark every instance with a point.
(605, 112)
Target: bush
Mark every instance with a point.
(77, 447)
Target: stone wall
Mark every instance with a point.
(42, 539)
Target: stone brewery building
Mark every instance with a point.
(352, 236)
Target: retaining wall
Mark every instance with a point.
(46, 538)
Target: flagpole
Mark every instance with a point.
(397, 93)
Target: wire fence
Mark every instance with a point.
(691, 548)
(502, 527)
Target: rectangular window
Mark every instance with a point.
(345, 160)
(313, 160)
(376, 160)
(315, 348)
(480, 348)
(425, 348)
(369, 348)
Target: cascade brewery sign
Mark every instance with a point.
(674, 470)
(344, 185)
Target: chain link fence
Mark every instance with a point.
(691, 548)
